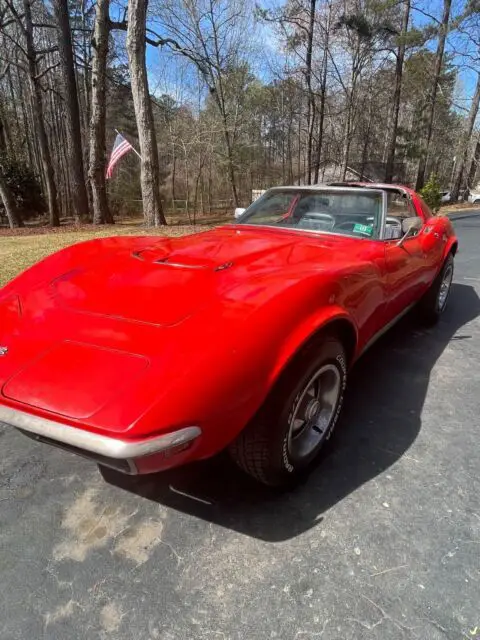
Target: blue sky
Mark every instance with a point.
(169, 75)
(456, 42)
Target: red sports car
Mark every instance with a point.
(146, 353)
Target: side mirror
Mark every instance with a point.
(410, 227)
(238, 212)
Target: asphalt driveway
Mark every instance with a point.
(383, 541)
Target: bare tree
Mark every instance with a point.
(310, 92)
(136, 49)
(34, 80)
(439, 56)
(327, 23)
(211, 33)
(400, 58)
(474, 163)
(465, 143)
(13, 215)
(78, 191)
(101, 212)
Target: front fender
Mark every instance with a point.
(305, 331)
(251, 365)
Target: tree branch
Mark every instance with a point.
(7, 23)
(45, 71)
(16, 15)
(120, 25)
(9, 37)
(44, 25)
(43, 52)
(193, 56)
(426, 14)
(54, 91)
(4, 72)
(15, 64)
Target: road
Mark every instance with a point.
(383, 542)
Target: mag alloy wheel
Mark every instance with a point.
(444, 288)
(313, 411)
(284, 440)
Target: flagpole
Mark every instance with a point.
(133, 148)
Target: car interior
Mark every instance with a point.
(349, 213)
(399, 208)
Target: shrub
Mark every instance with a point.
(432, 194)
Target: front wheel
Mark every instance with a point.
(435, 300)
(287, 435)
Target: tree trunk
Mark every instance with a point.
(323, 97)
(13, 215)
(422, 165)
(72, 112)
(15, 130)
(311, 96)
(347, 141)
(86, 52)
(366, 142)
(472, 172)
(96, 170)
(350, 115)
(174, 171)
(230, 160)
(392, 139)
(210, 186)
(36, 94)
(465, 145)
(299, 158)
(27, 128)
(136, 49)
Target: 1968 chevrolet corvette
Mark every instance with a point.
(146, 353)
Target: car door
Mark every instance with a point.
(405, 265)
(433, 239)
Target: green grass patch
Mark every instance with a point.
(17, 252)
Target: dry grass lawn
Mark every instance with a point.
(17, 252)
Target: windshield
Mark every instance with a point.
(345, 212)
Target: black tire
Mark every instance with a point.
(433, 304)
(269, 448)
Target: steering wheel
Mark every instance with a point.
(351, 224)
(312, 216)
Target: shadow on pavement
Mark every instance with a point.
(380, 421)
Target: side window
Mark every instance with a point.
(399, 205)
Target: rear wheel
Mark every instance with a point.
(287, 435)
(435, 300)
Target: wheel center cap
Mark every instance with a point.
(312, 410)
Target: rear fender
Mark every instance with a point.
(306, 331)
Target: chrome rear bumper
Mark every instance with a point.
(93, 445)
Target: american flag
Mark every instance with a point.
(121, 146)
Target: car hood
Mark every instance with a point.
(114, 324)
(169, 280)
